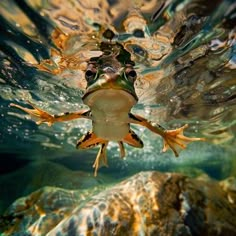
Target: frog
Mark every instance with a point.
(110, 96)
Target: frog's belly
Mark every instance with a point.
(109, 131)
(110, 113)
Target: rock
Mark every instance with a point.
(149, 203)
(42, 210)
(35, 175)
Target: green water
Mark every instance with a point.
(185, 55)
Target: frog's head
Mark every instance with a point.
(109, 75)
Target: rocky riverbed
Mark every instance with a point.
(148, 203)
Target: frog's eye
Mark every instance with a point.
(131, 75)
(90, 75)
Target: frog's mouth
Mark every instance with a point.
(111, 81)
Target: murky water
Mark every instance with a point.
(185, 55)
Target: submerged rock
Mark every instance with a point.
(35, 175)
(149, 203)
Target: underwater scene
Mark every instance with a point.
(117, 117)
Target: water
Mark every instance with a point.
(185, 55)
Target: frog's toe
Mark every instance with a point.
(49, 123)
(101, 158)
(122, 149)
(36, 113)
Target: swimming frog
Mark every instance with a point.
(110, 96)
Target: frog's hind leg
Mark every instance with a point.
(90, 140)
(122, 149)
(132, 139)
(101, 157)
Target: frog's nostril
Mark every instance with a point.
(109, 69)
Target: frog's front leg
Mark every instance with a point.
(90, 140)
(172, 138)
(44, 117)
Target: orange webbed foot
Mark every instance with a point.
(175, 139)
(40, 115)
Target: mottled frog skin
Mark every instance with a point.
(110, 96)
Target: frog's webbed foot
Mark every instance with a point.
(44, 117)
(175, 139)
(35, 112)
(101, 158)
